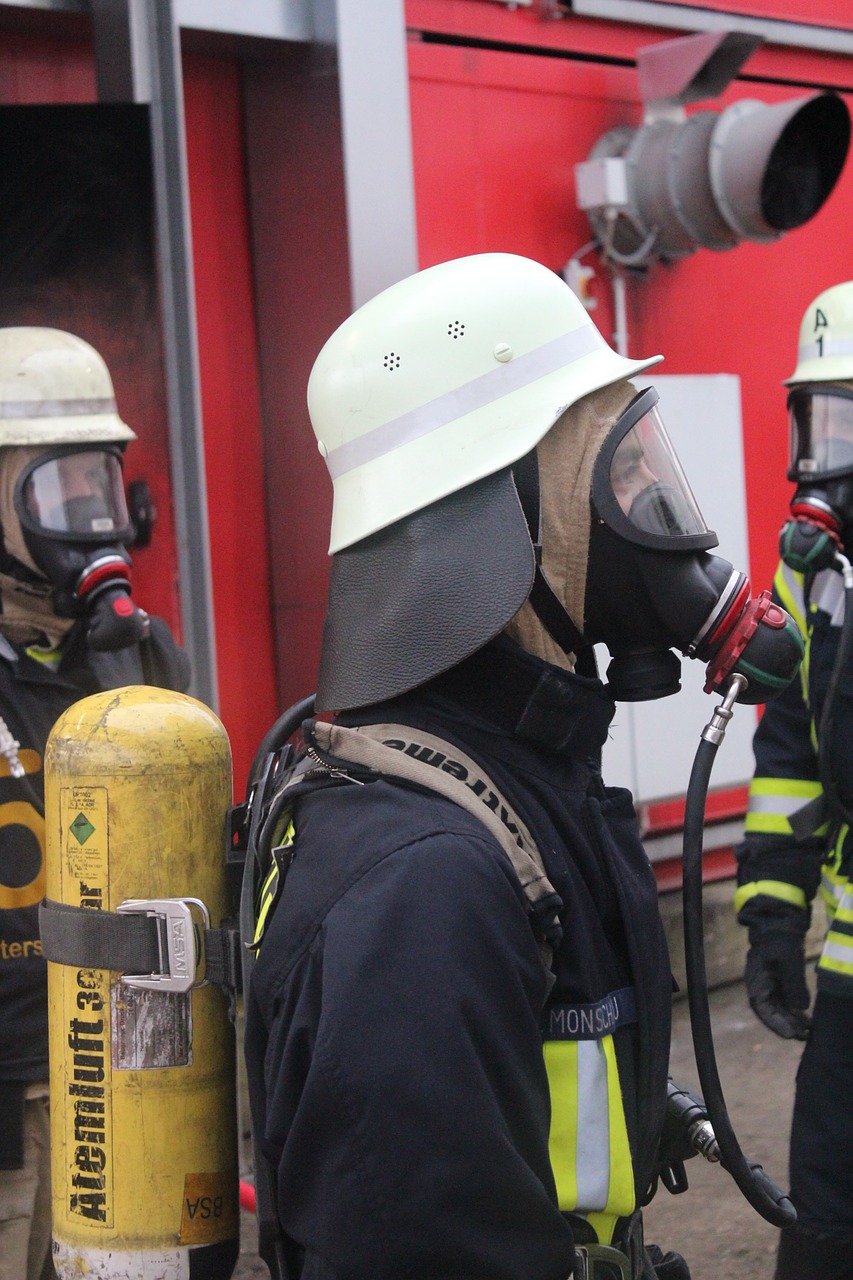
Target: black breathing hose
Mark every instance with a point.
(760, 1190)
(276, 736)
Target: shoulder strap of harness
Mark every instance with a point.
(137, 939)
(410, 755)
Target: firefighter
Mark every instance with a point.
(68, 628)
(504, 497)
(797, 835)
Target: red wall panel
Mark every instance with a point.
(496, 135)
(489, 23)
(33, 69)
(302, 289)
(118, 321)
(821, 12)
(117, 315)
(230, 403)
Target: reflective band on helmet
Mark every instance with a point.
(494, 385)
(55, 408)
(826, 347)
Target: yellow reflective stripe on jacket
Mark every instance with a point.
(788, 587)
(271, 885)
(771, 889)
(772, 801)
(837, 954)
(588, 1143)
(833, 884)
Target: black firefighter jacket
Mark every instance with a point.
(399, 1005)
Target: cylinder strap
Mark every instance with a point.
(133, 944)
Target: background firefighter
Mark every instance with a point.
(504, 498)
(68, 628)
(798, 824)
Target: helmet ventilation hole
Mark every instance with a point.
(391, 361)
(455, 329)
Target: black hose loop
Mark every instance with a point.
(276, 736)
(760, 1190)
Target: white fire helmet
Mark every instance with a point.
(55, 389)
(445, 378)
(825, 352)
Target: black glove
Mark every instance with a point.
(775, 974)
(665, 1266)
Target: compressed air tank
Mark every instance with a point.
(143, 1108)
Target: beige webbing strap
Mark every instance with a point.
(398, 751)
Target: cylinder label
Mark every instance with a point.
(209, 1211)
(84, 815)
(151, 1029)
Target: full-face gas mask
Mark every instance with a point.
(71, 506)
(821, 464)
(652, 586)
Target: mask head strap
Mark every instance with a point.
(543, 598)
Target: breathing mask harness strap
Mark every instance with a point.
(543, 599)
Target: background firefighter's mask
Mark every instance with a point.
(821, 461)
(73, 515)
(820, 419)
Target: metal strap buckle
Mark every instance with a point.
(182, 964)
(590, 1258)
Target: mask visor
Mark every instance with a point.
(821, 432)
(639, 488)
(75, 495)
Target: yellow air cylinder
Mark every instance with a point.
(142, 1082)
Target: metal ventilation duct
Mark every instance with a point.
(715, 178)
